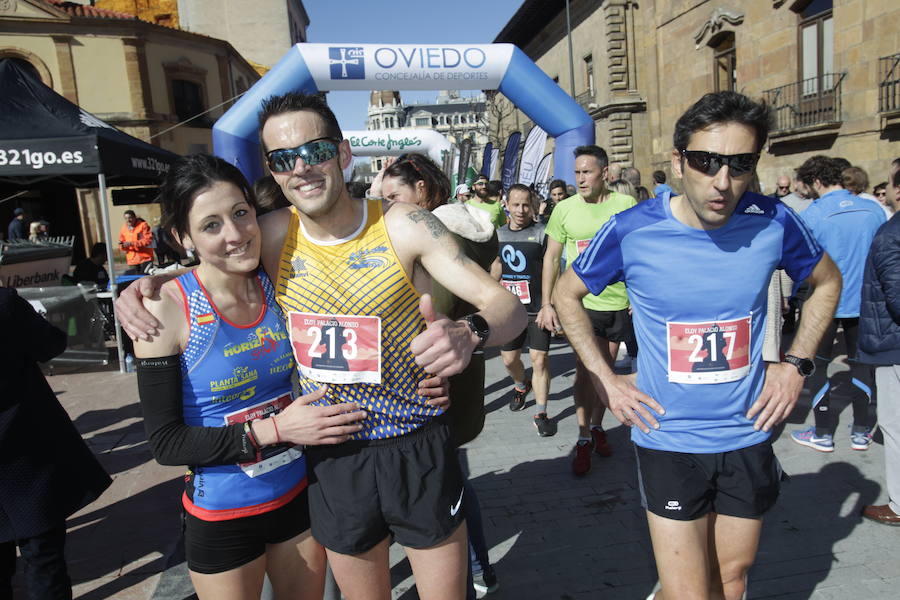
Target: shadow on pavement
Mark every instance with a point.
(815, 512)
(126, 542)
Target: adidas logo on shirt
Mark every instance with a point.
(754, 210)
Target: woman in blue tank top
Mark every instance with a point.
(211, 385)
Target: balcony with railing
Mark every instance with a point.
(586, 98)
(808, 105)
(889, 83)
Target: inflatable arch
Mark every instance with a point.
(394, 142)
(312, 68)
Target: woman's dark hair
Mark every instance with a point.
(410, 168)
(723, 107)
(188, 177)
(642, 193)
(268, 195)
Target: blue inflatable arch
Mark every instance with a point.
(312, 68)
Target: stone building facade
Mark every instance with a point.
(456, 117)
(146, 79)
(830, 70)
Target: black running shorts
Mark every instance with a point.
(219, 546)
(409, 487)
(740, 483)
(612, 325)
(535, 337)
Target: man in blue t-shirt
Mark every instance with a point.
(844, 226)
(702, 403)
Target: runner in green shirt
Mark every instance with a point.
(483, 202)
(573, 223)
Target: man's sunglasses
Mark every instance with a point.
(710, 163)
(312, 152)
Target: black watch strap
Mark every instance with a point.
(805, 366)
(479, 326)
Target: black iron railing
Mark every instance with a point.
(889, 86)
(806, 103)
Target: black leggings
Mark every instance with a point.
(857, 384)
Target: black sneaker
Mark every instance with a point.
(517, 402)
(485, 581)
(544, 425)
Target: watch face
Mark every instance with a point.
(806, 367)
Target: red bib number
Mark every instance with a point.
(337, 348)
(711, 352)
(518, 288)
(271, 457)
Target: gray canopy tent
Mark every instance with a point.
(44, 138)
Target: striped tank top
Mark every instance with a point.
(232, 374)
(352, 313)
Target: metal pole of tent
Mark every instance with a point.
(107, 235)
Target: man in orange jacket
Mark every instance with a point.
(136, 239)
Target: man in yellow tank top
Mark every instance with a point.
(344, 271)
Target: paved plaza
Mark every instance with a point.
(552, 536)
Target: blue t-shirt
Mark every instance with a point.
(699, 302)
(844, 225)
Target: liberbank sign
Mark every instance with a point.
(344, 67)
(312, 68)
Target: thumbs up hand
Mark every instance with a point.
(445, 347)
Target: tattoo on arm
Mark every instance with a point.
(435, 227)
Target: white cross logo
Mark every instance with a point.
(343, 61)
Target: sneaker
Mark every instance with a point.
(807, 437)
(581, 464)
(861, 440)
(518, 400)
(544, 425)
(601, 446)
(485, 582)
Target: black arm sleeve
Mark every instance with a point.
(171, 440)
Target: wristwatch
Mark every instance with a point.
(479, 327)
(804, 365)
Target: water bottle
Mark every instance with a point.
(129, 363)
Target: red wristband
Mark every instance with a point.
(277, 437)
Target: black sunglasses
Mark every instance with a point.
(709, 163)
(312, 152)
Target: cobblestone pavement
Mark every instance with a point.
(551, 535)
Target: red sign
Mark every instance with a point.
(337, 348)
(268, 458)
(519, 289)
(709, 352)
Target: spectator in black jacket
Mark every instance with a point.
(879, 344)
(47, 471)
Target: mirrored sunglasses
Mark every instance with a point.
(313, 152)
(710, 163)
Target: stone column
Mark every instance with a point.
(68, 86)
(138, 78)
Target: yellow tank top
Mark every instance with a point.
(359, 276)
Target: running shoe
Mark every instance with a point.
(581, 464)
(861, 440)
(807, 437)
(485, 582)
(544, 425)
(517, 402)
(601, 446)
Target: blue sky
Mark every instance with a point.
(418, 22)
